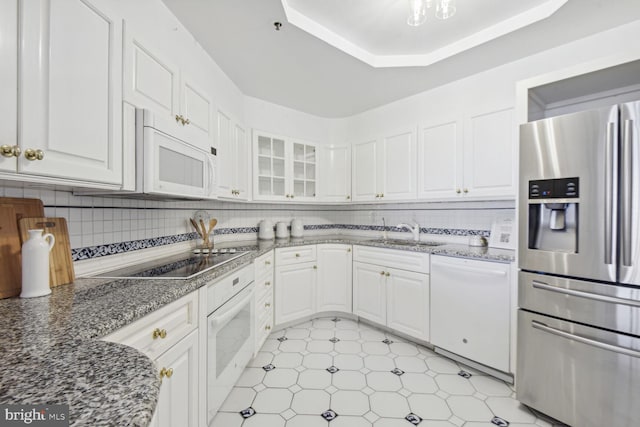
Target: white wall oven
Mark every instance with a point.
(230, 335)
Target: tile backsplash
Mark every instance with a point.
(95, 221)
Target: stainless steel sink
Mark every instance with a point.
(407, 243)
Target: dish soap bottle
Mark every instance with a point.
(35, 264)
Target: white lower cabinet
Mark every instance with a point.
(263, 298)
(178, 400)
(170, 337)
(369, 292)
(392, 296)
(470, 309)
(334, 278)
(408, 302)
(296, 291)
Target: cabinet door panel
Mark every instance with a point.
(225, 156)
(489, 155)
(364, 171)
(408, 303)
(241, 162)
(334, 278)
(470, 309)
(399, 166)
(71, 105)
(196, 108)
(178, 400)
(439, 169)
(8, 80)
(369, 292)
(295, 291)
(335, 173)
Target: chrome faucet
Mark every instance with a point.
(414, 229)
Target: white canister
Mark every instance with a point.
(297, 229)
(281, 230)
(265, 230)
(35, 264)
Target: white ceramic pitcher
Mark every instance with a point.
(35, 264)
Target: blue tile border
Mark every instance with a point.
(91, 252)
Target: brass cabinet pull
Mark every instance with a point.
(159, 333)
(382, 273)
(348, 197)
(267, 328)
(458, 190)
(267, 283)
(349, 250)
(31, 154)
(267, 263)
(381, 195)
(387, 274)
(10, 150)
(466, 190)
(267, 304)
(315, 267)
(164, 372)
(179, 118)
(186, 121)
(297, 255)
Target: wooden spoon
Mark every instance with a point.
(195, 225)
(212, 224)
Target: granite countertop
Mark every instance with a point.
(53, 354)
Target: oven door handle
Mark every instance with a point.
(588, 295)
(217, 320)
(584, 340)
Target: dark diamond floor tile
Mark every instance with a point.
(336, 319)
(334, 340)
(465, 374)
(329, 415)
(397, 371)
(332, 369)
(387, 341)
(249, 412)
(282, 339)
(500, 422)
(268, 367)
(413, 419)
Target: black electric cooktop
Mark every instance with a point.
(184, 266)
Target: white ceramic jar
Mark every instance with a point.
(297, 229)
(282, 231)
(265, 230)
(35, 264)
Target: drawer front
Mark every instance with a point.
(219, 292)
(158, 331)
(579, 375)
(264, 284)
(263, 264)
(264, 304)
(393, 258)
(295, 255)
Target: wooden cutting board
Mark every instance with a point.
(24, 208)
(60, 261)
(10, 265)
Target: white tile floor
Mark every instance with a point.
(340, 373)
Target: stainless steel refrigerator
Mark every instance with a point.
(578, 348)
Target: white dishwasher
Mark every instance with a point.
(470, 309)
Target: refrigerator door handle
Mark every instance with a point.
(626, 193)
(609, 193)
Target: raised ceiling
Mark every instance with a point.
(377, 32)
(295, 69)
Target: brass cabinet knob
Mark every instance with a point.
(382, 273)
(466, 190)
(164, 372)
(267, 328)
(159, 333)
(31, 154)
(179, 118)
(292, 196)
(287, 196)
(10, 150)
(348, 197)
(297, 255)
(267, 263)
(349, 250)
(458, 190)
(267, 304)
(267, 283)
(315, 267)
(186, 122)
(381, 195)
(387, 274)
(377, 196)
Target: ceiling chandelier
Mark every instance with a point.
(418, 10)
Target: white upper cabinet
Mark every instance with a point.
(284, 169)
(70, 90)
(8, 84)
(385, 169)
(489, 163)
(153, 81)
(335, 172)
(468, 158)
(439, 168)
(233, 159)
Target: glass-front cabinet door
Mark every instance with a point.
(283, 169)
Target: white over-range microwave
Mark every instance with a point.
(166, 162)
